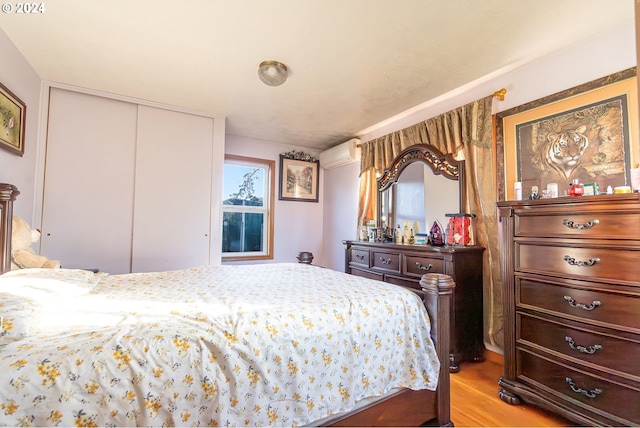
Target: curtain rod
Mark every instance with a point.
(500, 94)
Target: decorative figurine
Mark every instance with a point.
(534, 193)
(435, 234)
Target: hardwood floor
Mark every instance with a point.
(475, 401)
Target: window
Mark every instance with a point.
(247, 210)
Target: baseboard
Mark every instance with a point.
(494, 357)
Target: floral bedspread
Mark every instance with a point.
(270, 344)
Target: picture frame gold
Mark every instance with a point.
(12, 121)
(299, 179)
(600, 121)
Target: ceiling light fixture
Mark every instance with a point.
(272, 73)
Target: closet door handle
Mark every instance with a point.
(590, 350)
(579, 263)
(591, 306)
(587, 393)
(580, 226)
(423, 267)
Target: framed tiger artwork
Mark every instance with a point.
(588, 133)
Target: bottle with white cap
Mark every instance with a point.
(517, 189)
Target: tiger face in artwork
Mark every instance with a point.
(563, 151)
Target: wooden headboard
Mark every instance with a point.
(8, 194)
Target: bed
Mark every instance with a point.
(283, 344)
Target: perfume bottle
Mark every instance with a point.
(576, 189)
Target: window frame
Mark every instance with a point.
(270, 165)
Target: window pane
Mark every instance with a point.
(253, 227)
(244, 185)
(242, 232)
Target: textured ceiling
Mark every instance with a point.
(352, 63)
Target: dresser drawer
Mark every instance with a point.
(598, 263)
(608, 351)
(386, 260)
(366, 274)
(607, 309)
(595, 224)
(412, 284)
(618, 401)
(418, 266)
(360, 256)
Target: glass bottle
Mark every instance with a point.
(576, 189)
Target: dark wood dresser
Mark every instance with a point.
(404, 265)
(571, 277)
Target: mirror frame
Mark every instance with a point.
(441, 164)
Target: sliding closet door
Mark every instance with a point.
(88, 184)
(173, 190)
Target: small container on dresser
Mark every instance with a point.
(404, 265)
(571, 284)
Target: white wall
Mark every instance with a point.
(297, 226)
(589, 60)
(340, 214)
(17, 75)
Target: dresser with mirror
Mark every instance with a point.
(423, 185)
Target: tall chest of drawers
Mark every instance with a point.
(404, 265)
(571, 286)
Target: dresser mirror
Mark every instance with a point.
(422, 185)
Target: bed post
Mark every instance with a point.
(8, 194)
(438, 299)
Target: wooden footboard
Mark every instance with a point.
(419, 408)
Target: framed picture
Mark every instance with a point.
(590, 189)
(299, 179)
(12, 115)
(589, 133)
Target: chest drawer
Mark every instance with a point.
(595, 224)
(419, 265)
(598, 263)
(360, 256)
(607, 309)
(386, 260)
(608, 351)
(582, 389)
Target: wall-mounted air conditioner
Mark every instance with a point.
(342, 154)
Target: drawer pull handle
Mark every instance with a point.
(359, 257)
(579, 263)
(385, 261)
(580, 226)
(590, 350)
(591, 394)
(594, 304)
(423, 267)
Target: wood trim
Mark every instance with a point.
(494, 357)
(270, 209)
(637, 13)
